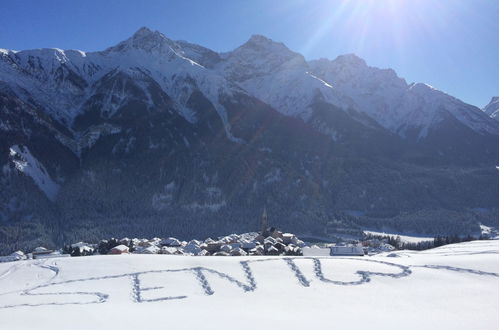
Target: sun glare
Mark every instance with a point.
(369, 27)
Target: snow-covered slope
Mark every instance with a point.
(62, 81)
(452, 286)
(271, 72)
(396, 105)
(492, 109)
(26, 163)
(53, 78)
(178, 76)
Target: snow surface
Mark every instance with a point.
(453, 287)
(26, 163)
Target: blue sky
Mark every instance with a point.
(452, 45)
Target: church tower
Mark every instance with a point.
(264, 222)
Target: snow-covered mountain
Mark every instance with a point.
(492, 109)
(163, 131)
(284, 79)
(64, 81)
(271, 72)
(148, 58)
(400, 107)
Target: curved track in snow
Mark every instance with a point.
(364, 273)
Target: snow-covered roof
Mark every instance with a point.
(18, 253)
(315, 251)
(121, 248)
(40, 249)
(153, 249)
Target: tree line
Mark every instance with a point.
(437, 241)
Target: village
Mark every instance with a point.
(267, 242)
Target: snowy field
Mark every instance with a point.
(451, 287)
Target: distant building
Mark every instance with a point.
(15, 256)
(146, 250)
(315, 251)
(120, 249)
(19, 255)
(41, 252)
(346, 251)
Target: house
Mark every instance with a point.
(85, 248)
(346, 251)
(149, 250)
(145, 243)
(41, 252)
(315, 251)
(247, 245)
(288, 238)
(171, 241)
(203, 253)
(272, 251)
(238, 252)
(226, 248)
(120, 249)
(15, 256)
(193, 247)
(19, 255)
(213, 246)
(170, 250)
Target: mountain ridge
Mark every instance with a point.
(155, 135)
(149, 40)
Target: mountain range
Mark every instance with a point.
(154, 137)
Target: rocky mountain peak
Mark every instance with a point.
(260, 56)
(145, 36)
(350, 60)
(147, 40)
(350, 68)
(144, 32)
(263, 46)
(258, 39)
